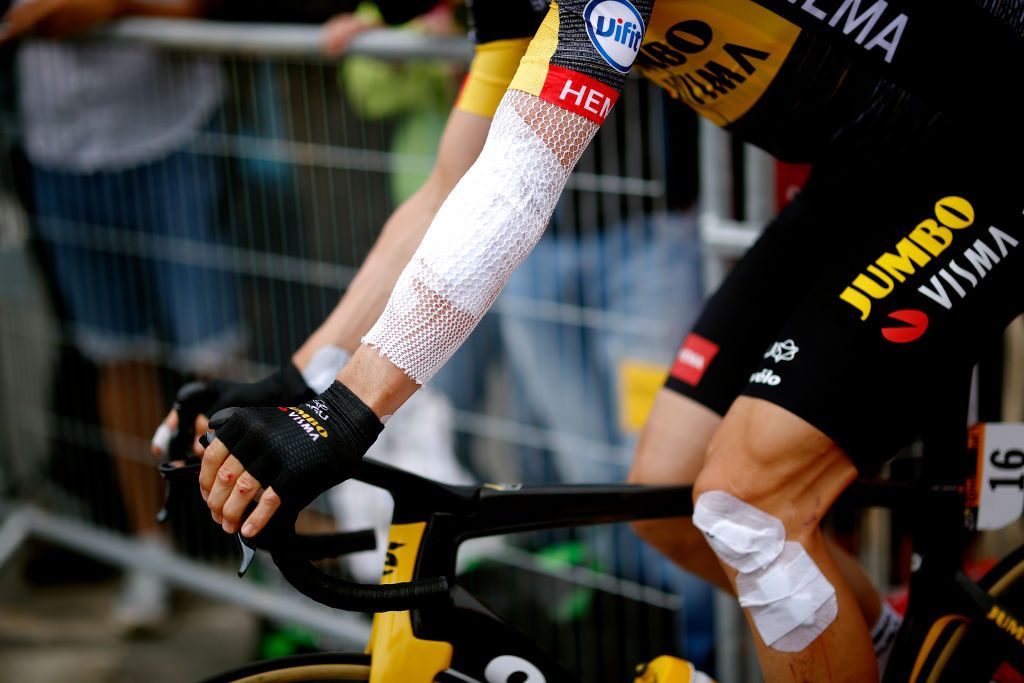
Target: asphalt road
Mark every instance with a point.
(55, 627)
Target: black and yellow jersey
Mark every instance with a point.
(791, 76)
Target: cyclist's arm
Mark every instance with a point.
(561, 93)
(365, 297)
(493, 66)
(491, 220)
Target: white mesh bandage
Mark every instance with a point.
(789, 599)
(486, 227)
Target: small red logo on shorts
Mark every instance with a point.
(916, 324)
(693, 359)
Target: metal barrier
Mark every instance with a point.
(271, 203)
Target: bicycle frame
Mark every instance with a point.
(941, 595)
(465, 636)
(458, 638)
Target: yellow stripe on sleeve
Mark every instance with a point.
(533, 69)
(494, 65)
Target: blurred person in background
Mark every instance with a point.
(125, 209)
(123, 206)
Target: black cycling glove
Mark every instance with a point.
(282, 387)
(304, 450)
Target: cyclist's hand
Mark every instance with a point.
(283, 387)
(293, 454)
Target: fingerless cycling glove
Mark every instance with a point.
(304, 450)
(285, 386)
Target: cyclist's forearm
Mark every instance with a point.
(381, 385)
(366, 297)
(500, 208)
(362, 303)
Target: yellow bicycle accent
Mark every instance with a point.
(666, 669)
(401, 656)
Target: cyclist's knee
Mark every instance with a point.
(768, 481)
(778, 463)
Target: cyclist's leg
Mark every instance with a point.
(854, 374)
(671, 451)
(768, 458)
(729, 340)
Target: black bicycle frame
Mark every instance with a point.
(938, 586)
(939, 590)
(475, 632)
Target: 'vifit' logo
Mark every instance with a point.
(616, 30)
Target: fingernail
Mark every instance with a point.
(247, 529)
(226, 527)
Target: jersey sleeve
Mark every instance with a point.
(582, 53)
(563, 90)
(501, 33)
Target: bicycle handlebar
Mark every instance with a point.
(468, 512)
(332, 591)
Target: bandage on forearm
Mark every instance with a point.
(488, 225)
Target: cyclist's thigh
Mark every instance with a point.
(924, 271)
(735, 327)
(672, 444)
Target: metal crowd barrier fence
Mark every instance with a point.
(266, 208)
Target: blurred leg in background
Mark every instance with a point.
(127, 212)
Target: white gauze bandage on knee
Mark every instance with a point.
(488, 224)
(789, 599)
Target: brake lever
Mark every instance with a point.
(180, 463)
(174, 472)
(248, 554)
(279, 532)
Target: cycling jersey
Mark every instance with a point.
(829, 333)
(807, 80)
(792, 78)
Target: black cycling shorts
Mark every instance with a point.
(886, 275)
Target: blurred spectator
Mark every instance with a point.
(418, 95)
(126, 210)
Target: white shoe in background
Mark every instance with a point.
(144, 602)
